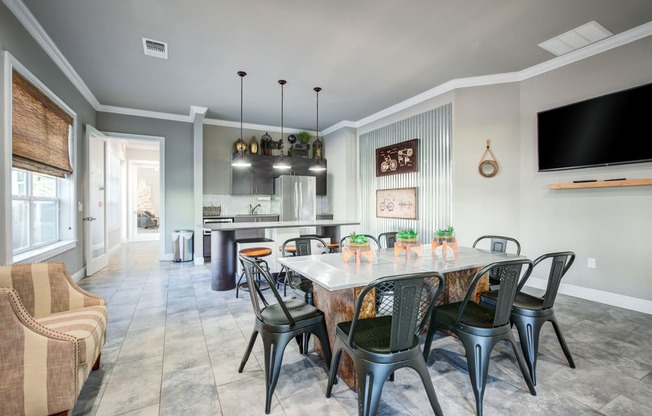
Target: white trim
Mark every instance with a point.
(79, 275)
(613, 299)
(252, 126)
(6, 254)
(35, 29)
(44, 253)
(143, 113)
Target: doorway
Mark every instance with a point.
(140, 193)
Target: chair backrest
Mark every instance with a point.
(559, 265)
(258, 300)
(389, 238)
(407, 299)
(370, 237)
(304, 246)
(510, 273)
(498, 243)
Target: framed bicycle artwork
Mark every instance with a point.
(396, 203)
(397, 158)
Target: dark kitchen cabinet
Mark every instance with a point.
(301, 167)
(255, 179)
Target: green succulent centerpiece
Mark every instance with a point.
(407, 236)
(358, 240)
(445, 234)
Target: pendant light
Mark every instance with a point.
(317, 165)
(240, 161)
(281, 163)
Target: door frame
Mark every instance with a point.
(94, 264)
(161, 164)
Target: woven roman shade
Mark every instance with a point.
(40, 131)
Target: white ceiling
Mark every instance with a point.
(367, 55)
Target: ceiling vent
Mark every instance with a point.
(155, 48)
(576, 38)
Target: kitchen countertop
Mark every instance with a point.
(274, 224)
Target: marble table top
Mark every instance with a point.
(331, 272)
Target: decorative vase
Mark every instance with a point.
(253, 145)
(266, 144)
(240, 146)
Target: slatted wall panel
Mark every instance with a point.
(433, 179)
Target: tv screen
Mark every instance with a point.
(607, 130)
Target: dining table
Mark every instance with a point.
(338, 280)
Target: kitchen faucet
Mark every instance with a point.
(252, 210)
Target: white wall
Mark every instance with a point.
(340, 149)
(612, 225)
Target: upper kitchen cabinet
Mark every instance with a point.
(301, 166)
(257, 179)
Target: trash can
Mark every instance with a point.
(182, 249)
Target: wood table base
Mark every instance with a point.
(339, 306)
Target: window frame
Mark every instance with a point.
(66, 187)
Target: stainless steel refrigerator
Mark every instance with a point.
(295, 198)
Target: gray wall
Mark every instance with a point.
(179, 165)
(15, 39)
(612, 225)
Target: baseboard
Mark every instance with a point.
(167, 257)
(613, 299)
(79, 275)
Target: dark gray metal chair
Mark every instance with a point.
(300, 246)
(278, 323)
(382, 344)
(529, 313)
(480, 328)
(389, 238)
(498, 244)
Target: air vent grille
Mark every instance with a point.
(576, 38)
(155, 48)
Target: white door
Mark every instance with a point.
(96, 239)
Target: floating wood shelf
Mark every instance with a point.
(602, 184)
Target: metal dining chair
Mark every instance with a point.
(498, 244)
(389, 238)
(389, 340)
(529, 313)
(479, 328)
(278, 323)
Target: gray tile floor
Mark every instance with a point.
(173, 348)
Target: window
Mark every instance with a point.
(34, 210)
(40, 145)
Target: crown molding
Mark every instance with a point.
(36, 30)
(26, 18)
(252, 126)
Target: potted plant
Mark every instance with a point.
(358, 240)
(445, 235)
(407, 236)
(301, 148)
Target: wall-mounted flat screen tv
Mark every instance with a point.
(607, 130)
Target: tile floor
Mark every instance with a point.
(173, 348)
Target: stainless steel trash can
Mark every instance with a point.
(182, 248)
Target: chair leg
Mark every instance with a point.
(96, 366)
(252, 341)
(335, 362)
(478, 350)
(274, 347)
(299, 339)
(521, 364)
(528, 334)
(237, 285)
(562, 341)
(371, 379)
(420, 366)
(322, 335)
(428, 342)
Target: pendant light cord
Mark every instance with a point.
(282, 82)
(242, 74)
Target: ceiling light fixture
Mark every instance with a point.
(281, 163)
(317, 165)
(240, 160)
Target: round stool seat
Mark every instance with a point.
(333, 247)
(290, 249)
(256, 251)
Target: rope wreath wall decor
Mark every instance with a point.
(488, 167)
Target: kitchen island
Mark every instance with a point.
(224, 254)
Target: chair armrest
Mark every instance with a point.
(60, 279)
(35, 361)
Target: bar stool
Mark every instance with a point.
(256, 254)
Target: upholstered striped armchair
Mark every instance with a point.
(51, 336)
